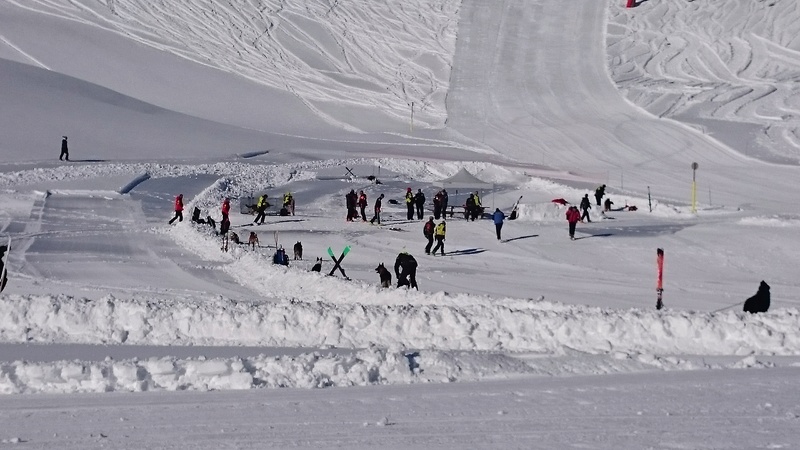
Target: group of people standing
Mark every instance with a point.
(574, 215)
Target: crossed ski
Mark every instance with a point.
(338, 262)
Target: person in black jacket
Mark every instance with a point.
(64, 149)
(419, 200)
(408, 277)
(351, 199)
(377, 216)
(586, 205)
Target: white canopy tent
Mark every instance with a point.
(465, 182)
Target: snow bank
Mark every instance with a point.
(549, 328)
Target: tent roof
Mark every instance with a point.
(463, 180)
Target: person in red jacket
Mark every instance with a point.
(362, 204)
(178, 209)
(573, 216)
(226, 208)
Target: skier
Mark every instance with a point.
(599, 193)
(226, 208)
(409, 204)
(498, 217)
(261, 208)
(408, 277)
(573, 216)
(427, 231)
(419, 201)
(437, 205)
(362, 205)
(377, 216)
(439, 234)
(586, 205)
(351, 199)
(64, 149)
(178, 209)
(607, 204)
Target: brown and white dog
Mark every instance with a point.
(253, 240)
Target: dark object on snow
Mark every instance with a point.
(317, 266)
(64, 149)
(560, 201)
(4, 249)
(408, 277)
(298, 250)
(386, 276)
(280, 257)
(393, 202)
(760, 302)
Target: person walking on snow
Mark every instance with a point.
(573, 216)
(178, 209)
(377, 216)
(419, 201)
(226, 208)
(408, 277)
(586, 205)
(261, 208)
(362, 205)
(498, 217)
(438, 234)
(409, 204)
(427, 231)
(599, 193)
(64, 148)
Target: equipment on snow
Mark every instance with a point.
(4, 250)
(338, 262)
(513, 214)
(660, 279)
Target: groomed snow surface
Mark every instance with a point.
(532, 341)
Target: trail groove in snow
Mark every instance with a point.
(378, 55)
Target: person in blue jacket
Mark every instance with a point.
(498, 217)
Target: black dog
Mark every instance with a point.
(386, 276)
(298, 251)
(759, 302)
(318, 266)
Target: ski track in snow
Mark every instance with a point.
(674, 60)
(324, 53)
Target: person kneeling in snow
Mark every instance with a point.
(408, 277)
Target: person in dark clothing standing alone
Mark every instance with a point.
(64, 149)
(377, 216)
(599, 193)
(419, 200)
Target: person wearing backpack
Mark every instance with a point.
(427, 231)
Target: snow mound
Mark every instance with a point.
(548, 328)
